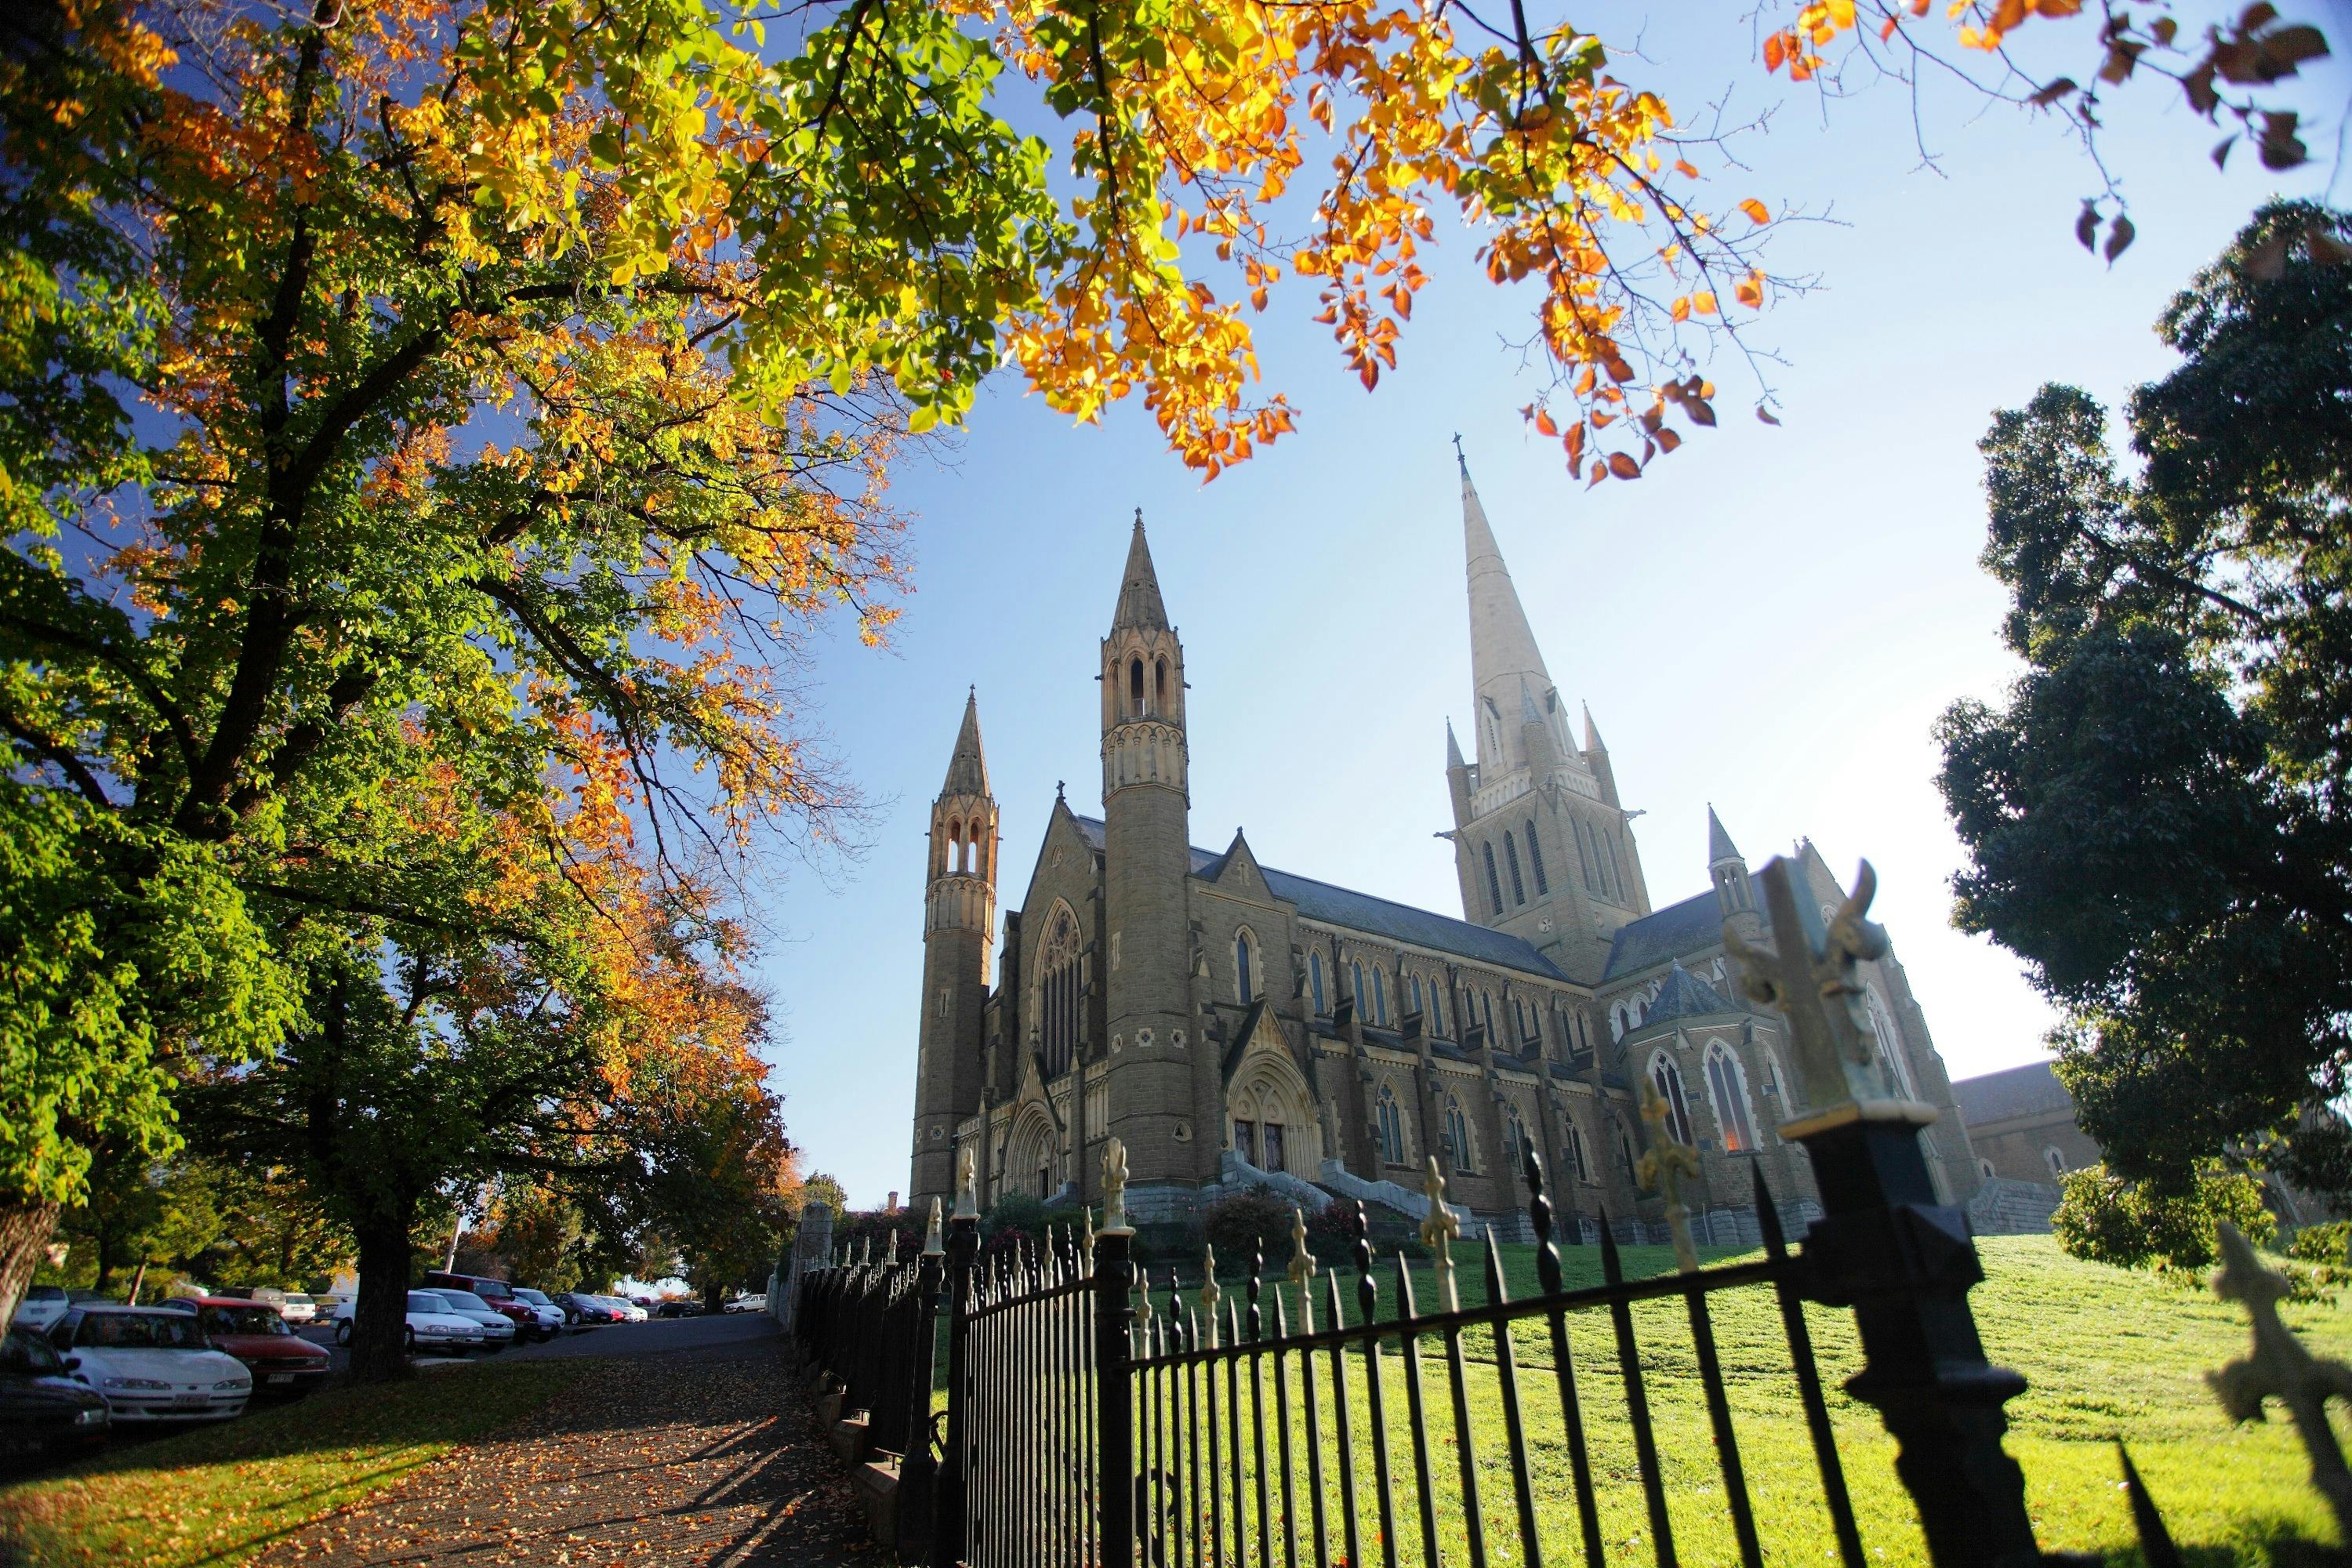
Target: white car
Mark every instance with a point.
(498, 1328)
(432, 1325)
(544, 1311)
(42, 1306)
(747, 1304)
(150, 1365)
(296, 1307)
(630, 1311)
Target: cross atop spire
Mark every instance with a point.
(1139, 587)
(1458, 458)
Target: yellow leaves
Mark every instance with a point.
(1703, 302)
(1757, 212)
(1749, 290)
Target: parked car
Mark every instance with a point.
(431, 1325)
(500, 1296)
(151, 1365)
(582, 1311)
(259, 1336)
(548, 1315)
(498, 1328)
(630, 1311)
(679, 1307)
(758, 1303)
(297, 1308)
(44, 1409)
(42, 1305)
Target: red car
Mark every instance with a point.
(252, 1332)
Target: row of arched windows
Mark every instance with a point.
(1597, 853)
(1060, 1003)
(961, 853)
(1726, 1087)
(1141, 704)
(1453, 1131)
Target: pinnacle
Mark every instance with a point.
(1139, 589)
(1592, 735)
(1719, 847)
(1453, 748)
(967, 764)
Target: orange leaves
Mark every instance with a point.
(1756, 211)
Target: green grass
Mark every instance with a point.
(217, 1494)
(2106, 1352)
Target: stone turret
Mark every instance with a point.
(959, 920)
(1146, 866)
(1727, 869)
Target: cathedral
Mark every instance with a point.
(1236, 1025)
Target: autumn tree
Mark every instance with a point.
(427, 428)
(2155, 817)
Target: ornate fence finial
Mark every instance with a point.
(1143, 1305)
(1438, 1227)
(1115, 1190)
(2280, 1369)
(1808, 974)
(933, 1243)
(1661, 1170)
(1210, 1294)
(968, 1185)
(1086, 1243)
(865, 1252)
(1302, 1262)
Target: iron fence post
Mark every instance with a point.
(1115, 1396)
(917, 1470)
(949, 1485)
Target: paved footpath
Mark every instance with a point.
(683, 1443)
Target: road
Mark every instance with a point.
(655, 1338)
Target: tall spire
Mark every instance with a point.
(1138, 587)
(1719, 847)
(1503, 652)
(968, 766)
(1453, 747)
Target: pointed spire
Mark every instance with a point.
(1503, 652)
(968, 767)
(1452, 749)
(1139, 587)
(1592, 735)
(1719, 847)
(1529, 713)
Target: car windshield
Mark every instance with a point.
(464, 1301)
(44, 1293)
(29, 1355)
(242, 1321)
(141, 1330)
(426, 1301)
(295, 1299)
(536, 1298)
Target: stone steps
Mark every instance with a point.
(2006, 1207)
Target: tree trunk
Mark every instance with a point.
(380, 1314)
(25, 1229)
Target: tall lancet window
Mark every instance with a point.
(1511, 857)
(1664, 1074)
(1729, 1089)
(1494, 887)
(1315, 982)
(1245, 971)
(1135, 685)
(1058, 998)
(1535, 861)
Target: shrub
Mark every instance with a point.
(2137, 1225)
(2322, 1244)
(1245, 1223)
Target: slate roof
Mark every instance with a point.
(1685, 995)
(1376, 916)
(1693, 924)
(2031, 1089)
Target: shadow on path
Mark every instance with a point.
(705, 1457)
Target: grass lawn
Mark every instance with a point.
(214, 1495)
(2106, 1353)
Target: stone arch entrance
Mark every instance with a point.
(1272, 1118)
(1033, 1154)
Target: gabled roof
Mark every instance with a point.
(2029, 1090)
(1322, 902)
(1685, 995)
(1692, 926)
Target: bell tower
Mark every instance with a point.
(1147, 867)
(959, 922)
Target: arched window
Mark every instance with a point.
(1577, 1163)
(1616, 873)
(1134, 685)
(1245, 969)
(1437, 1009)
(1669, 1088)
(1356, 992)
(1457, 1135)
(1890, 1042)
(1729, 1092)
(1381, 995)
(1515, 1140)
(2057, 1161)
(1616, 1022)
(1535, 861)
(1413, 987)
(1391, 1128)
(1159, 685)
(1058, 999)
(1584, 853)
(1486, 1008)
(1314, 981)
(1984, 1169)
(1625, 1149)
(1494, 887)
(1511, 858)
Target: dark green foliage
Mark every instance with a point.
(2328, 1244)
(2154, 816)
(1247, 1224)
(2137, 1225)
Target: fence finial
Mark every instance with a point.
(933, 1243)
(1115, 1190)
(864, 1251)
(1210, 1294)
(1086, 1243)
(968, 1185)
(890, 1247)
(1809, 974)
(1302, 1262)
(1438, 1227)
(1662, 1171)
(2280, 1369)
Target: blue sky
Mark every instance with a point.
(1770, 620)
